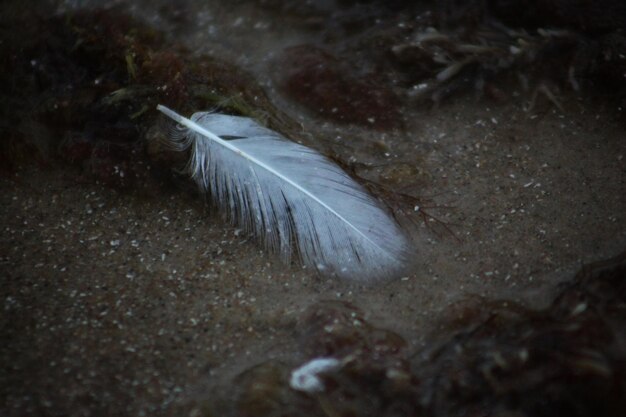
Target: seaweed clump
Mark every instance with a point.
(81, 88)
(324, 84)
(545, 46)
(566, 360)
(501, 360)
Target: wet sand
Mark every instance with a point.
(133, 302)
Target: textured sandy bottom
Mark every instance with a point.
(128, 303)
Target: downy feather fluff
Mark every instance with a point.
(291, 197)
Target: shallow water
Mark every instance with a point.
(132, 301)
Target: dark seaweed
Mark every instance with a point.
(501, 360)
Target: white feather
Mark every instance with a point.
(306, 378)
(287, 194)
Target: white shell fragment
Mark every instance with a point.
(306, 379)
